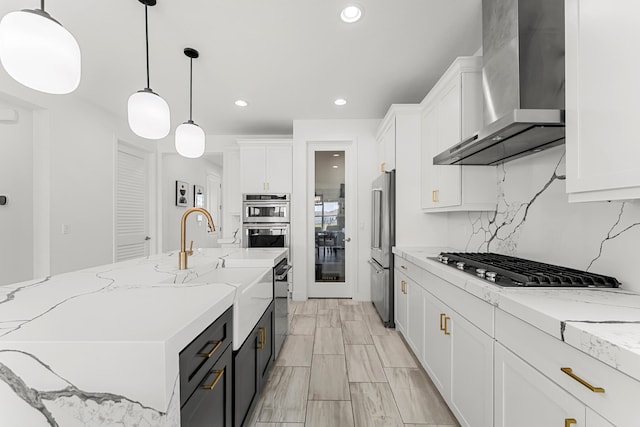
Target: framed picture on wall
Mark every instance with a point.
(182, 193)
(198, 196)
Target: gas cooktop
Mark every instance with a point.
(510, 271)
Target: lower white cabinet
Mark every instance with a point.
(415, 317)
(526, 398)
(400, 302)
(457, 355)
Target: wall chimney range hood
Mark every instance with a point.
(522, 83)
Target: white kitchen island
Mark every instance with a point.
(100, 346)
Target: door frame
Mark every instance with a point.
(340, 289)
(151, 202)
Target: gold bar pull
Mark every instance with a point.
(216, 346)
(568, 422)
(446, 332)
(403, 286)
(215, 382)
(404, 267)
(382, 167)
(442, 327)
(569, 372)
(262, 336)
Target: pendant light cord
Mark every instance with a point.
(42, 5)
(191, 90)
(146, 33)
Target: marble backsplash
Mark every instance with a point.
(533, 219)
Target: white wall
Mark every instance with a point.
(362, 133)
(73, 178)
(534, 220)
(194, 172)
(16, 182)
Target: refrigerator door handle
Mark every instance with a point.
(376, 267)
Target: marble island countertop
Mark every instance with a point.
(100, 346)
(603, 323)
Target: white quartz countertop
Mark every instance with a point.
(100, 346)
(604, 323)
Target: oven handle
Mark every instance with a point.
(376, 267)
(282, 274)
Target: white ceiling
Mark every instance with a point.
(289, 58)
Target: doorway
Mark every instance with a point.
(132, 228)
(331, 224)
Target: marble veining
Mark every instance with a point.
(77, 403)
(503, 224)
(612, 235)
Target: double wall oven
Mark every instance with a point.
(265, 220)
(266, 224)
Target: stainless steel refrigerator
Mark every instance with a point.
(383, 237)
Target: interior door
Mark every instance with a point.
(332, 263)
(132, 204)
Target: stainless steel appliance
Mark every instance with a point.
(266, 208)
(265, 224)
(383, 237)
(282, 286)
(523, 83)
(510, 271)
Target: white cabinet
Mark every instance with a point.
(451, 112)
(459, 358)
(415, 318)
(602, 93)
(526, 398)
(457, 355)
(386, 141)
(266, 166)
(400, 301)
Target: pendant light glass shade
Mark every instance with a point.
(39, 53)
(149, 115)
(190, 140)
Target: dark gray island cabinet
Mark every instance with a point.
(206, 376)
(251, 366)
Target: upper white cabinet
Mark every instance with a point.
(451, 112)
(386, 140)
(265, 166)
(602, 93)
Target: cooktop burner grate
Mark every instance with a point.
(522, 272)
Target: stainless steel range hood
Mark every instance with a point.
(522, 83)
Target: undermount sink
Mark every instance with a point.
(254, 293)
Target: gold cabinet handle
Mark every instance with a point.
(569, 372)
(382, 167)
(262, 335)
(568, 422)
(446, 332)
(435, 196)
(216, 346)
(442, 327)
(215, 381)
(403, 286)
(404, 267)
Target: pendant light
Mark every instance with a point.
(190, 138)
(149, 115)
(38, 52)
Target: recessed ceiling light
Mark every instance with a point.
(335, 166)
(241, 103)
(340, 102)
(336, 155)
(351, 14)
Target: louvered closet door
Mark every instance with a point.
(132, 239)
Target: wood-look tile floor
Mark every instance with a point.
(340, 367)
